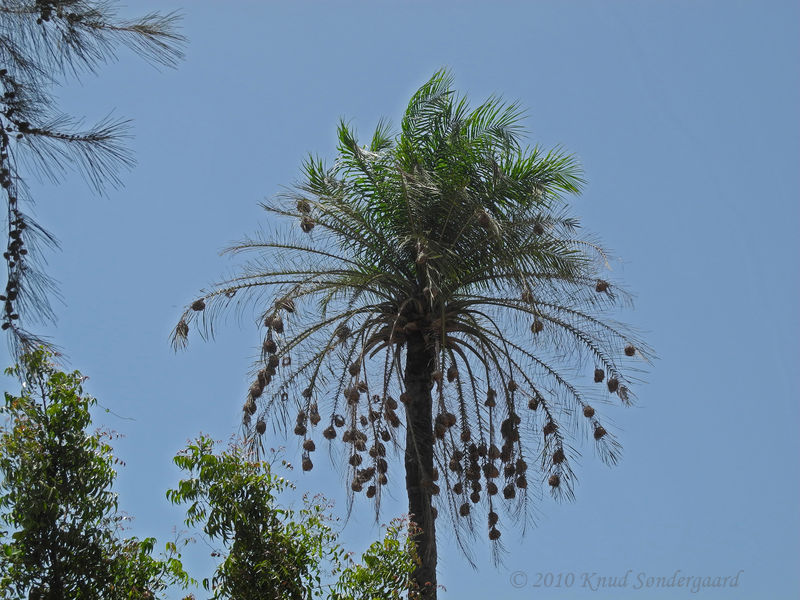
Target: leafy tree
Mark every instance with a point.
(274, 552)
(42, 42)
(440, 268)
(56, 499)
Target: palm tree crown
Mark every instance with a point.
(436, 286)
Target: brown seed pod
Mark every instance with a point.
(512, 386)
(533, 403)
(303, 206)
(509, 491)
(355, 459)
(493, 518)
(371, 490)
(306, 224)
(458, 488)
(338, 420)
(599, 432)
(452, 373)
(549, 427)
(300, 429)
(522, 482)
(554, 480)
(475, 497)
(494, 534)
(198, 305)
(309, 446)
(463, 510)
(329, 433)
(601, 286)
(537, 326)
(269, 346)
(491, 488)
(307, 464)
(599, 375)
(261, 427)
(613, 384)
(630, 350)
(558, 456)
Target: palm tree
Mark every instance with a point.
(438, 268)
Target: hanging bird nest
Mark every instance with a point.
(307, 464)
(475, 497)
(554, 480)
(371, 490)
(601, 286)
(382, 466)
(338, 420)
(494, 534)
(198, 305)
(549, 427)
(491, 488)
(261, 427)
(391, 403)
(558, 456)
(356, 486)
(452, 373)
(286, 304)
(484, 220)
(464, 509)
(309, 445)
(522, 482)
(613, 384)
(630, 350)
(355, 460)
(329, 433)
(493, 518)
(307, 224)
(599, 375)
(538, 228)
(277, 324)
(458, 488)
(588, 411)
(509, 492)
(599, 432)
(537, 326)
(303, 206)
(269, 346)
(512, 386)
(300, 429)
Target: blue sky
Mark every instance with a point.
(684, 115)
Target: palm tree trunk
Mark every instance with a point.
(419, 458)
